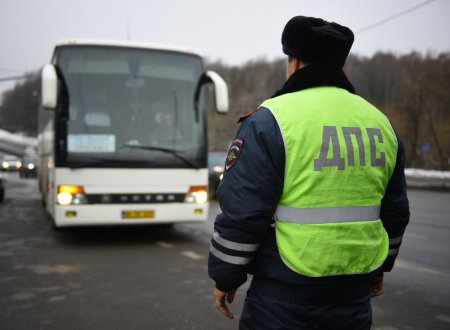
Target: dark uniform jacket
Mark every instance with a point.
(244, 239)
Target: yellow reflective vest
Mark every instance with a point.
(340, 154)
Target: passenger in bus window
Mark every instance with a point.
(166, 132)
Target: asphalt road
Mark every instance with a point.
(156, 278)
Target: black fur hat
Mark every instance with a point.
(315, 40)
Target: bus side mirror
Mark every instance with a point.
(221, 91)
(49, 80)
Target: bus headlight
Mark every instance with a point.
(197, 195)
(64, 198)
(71, 195)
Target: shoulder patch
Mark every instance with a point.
(233, 153)
(248, 114)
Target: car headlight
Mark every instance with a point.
(18, 164)
(71, 195)
(5, 165)
(218, 169)
(30, 166)
(197, 195)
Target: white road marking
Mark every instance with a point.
(414, 235)
(443, 317)
(192, 255)
(58, 269)
(165, 245)
(56, 299)
(416, 267)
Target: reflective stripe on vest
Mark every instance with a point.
(327, 214)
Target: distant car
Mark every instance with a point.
(216, 163)
(2, 188)
(29, 167)
(10, 163)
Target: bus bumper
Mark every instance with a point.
(129, 214)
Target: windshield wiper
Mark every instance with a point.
(166, 150)
(98, 161)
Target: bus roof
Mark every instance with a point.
(127, 44)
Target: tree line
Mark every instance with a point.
(412, 90)
(19, 106)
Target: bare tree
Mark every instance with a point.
(18, 112)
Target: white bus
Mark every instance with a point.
(122, 134)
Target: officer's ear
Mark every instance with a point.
(293, 64)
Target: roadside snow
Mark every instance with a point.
(415, 172)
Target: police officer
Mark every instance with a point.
(313, 197)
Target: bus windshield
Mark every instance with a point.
(130, 107)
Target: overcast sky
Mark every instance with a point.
(234, 31)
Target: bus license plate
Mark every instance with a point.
(138, 214)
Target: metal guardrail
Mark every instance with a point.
(16, 144)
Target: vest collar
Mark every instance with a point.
(315, 75)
